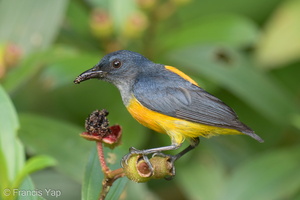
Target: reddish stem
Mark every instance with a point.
(110, 176)
(103, 164)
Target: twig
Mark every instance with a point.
(109, 176)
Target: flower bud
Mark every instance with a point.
(101, 24)
(135, 25)
(10, 55)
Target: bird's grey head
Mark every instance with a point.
(119, 67)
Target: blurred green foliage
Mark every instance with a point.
(244, 52)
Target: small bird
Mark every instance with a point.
(166, 100)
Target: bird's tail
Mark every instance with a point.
(253, 135)
(248, 131)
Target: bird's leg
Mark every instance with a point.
(194, 143)
(145, 152)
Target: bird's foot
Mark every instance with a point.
(134, 151)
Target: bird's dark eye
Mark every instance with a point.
(116, 63)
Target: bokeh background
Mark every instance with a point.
(244, 52)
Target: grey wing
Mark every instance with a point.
(191, 103)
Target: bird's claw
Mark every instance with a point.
(125, 159)
(134, 151)
(160, 154)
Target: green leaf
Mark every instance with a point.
(4, 181)
(273, 175)
(8, 118)
(92, 183)
(32, 165)
(58, 139)
(23, 22)
(12, 153)
(231, 70)
(226, 29)
(280, 42)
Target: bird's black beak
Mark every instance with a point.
(89, 74)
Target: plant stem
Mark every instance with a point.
(103, 164)
(109, 176)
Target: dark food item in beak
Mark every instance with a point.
(89, 75)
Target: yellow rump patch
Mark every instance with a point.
(180, 73)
